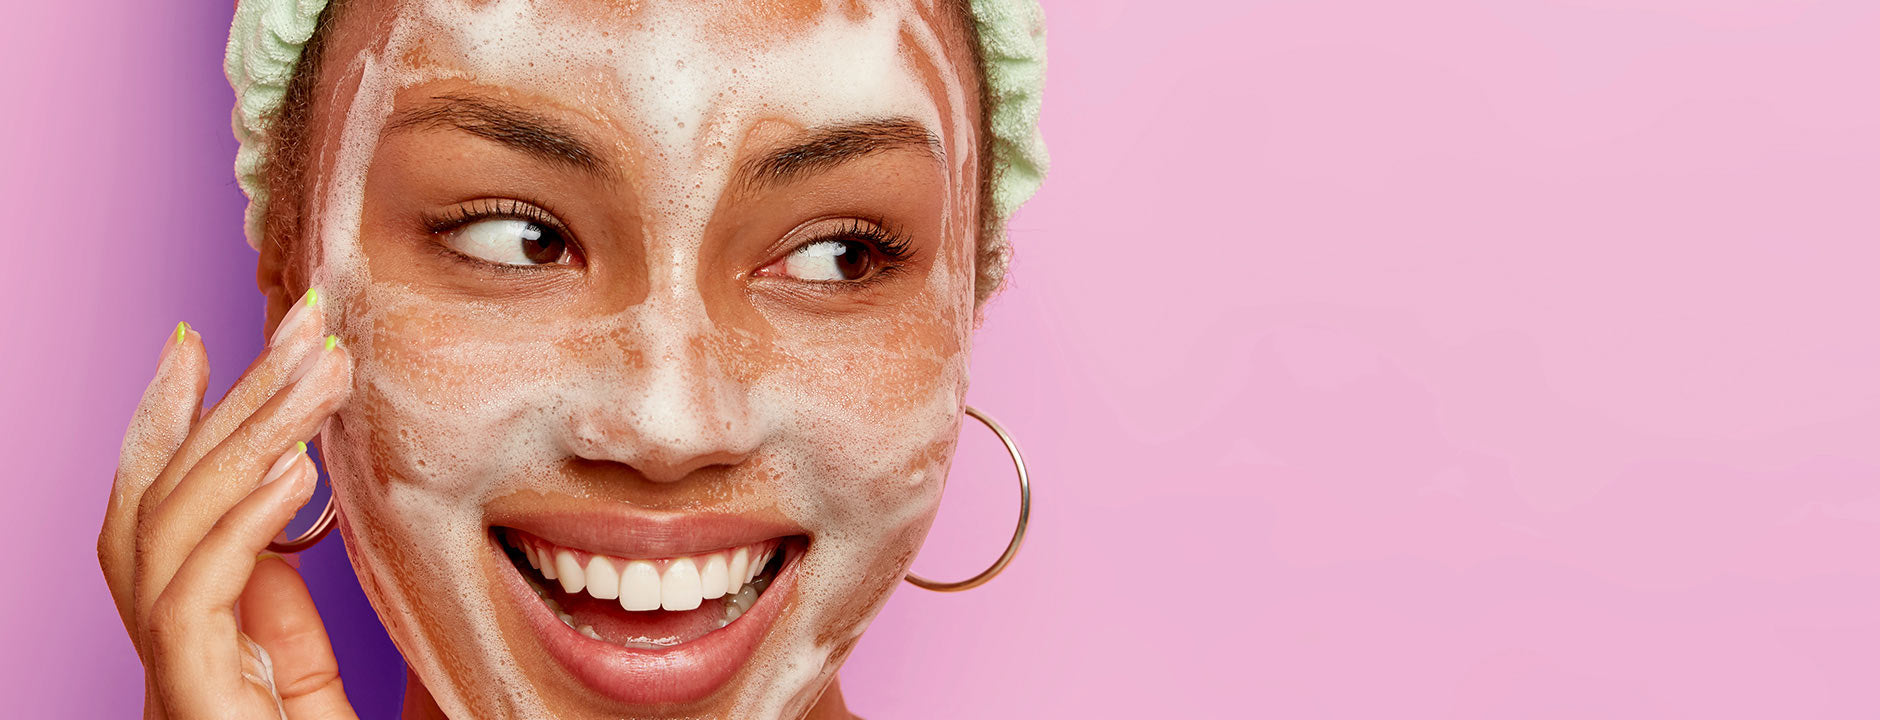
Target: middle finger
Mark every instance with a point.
(227, 473)
(300, 333)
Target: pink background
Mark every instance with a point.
(1453, 359)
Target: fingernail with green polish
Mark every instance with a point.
(296, 315)
(282, 464)
(175, 339)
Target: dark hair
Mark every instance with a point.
(284, 169)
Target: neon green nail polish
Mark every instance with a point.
(301, 447)
(182, 329)
(312, 296)
(332, 341)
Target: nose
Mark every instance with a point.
(677, 410)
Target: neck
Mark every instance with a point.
(420, 706)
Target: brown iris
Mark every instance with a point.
(542, 244)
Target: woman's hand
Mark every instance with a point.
(196, 499)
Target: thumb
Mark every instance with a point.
(278, 614)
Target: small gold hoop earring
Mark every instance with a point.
(321, 526)
(1024, 517)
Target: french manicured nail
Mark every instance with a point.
(175, 339)
(287, 461)
(306, 306)
(313, 358)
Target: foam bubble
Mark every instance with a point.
(445, 421)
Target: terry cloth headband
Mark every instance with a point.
(265, 40)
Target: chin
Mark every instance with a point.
(644, 611)
(522, 577)
(578, 609)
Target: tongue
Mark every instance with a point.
(656, 627)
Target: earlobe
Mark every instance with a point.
(271, 278)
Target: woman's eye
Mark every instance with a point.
(510, 241)
(831, 261)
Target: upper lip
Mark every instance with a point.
(632, 532)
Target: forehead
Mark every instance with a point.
(685, 75)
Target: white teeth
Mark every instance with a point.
(679, 588)
(573, 578)
(639, 586)
(602, 581)
(740, 570)
(715, 577)
(588, 630)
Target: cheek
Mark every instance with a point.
(878, 394)
(871, 423)
(875, 403)
(449, 399)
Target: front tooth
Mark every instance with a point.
(528, 553)
(639, 586)
(679, 587)
(715, 578)
(572, 577)
(602, 581)
(740, 570)
(548, 563)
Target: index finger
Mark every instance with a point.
(293, 342)
(159, 426)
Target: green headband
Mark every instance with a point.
(265, 40)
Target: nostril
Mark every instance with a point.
(678, 414)
(662, 464)
(668, 465)
(665, 452)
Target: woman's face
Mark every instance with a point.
(644, 292)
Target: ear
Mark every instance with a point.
(278, 282)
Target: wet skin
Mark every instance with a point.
(668, 359)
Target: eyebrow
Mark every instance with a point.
(831, 145)
(506, 123)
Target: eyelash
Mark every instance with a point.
(895, 248)
(496, 208)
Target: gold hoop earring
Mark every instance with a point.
(1018, 536)
(321, 526)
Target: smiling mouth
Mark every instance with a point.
(645, 603)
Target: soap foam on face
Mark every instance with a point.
(444, 421)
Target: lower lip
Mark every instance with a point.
(683, 673)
